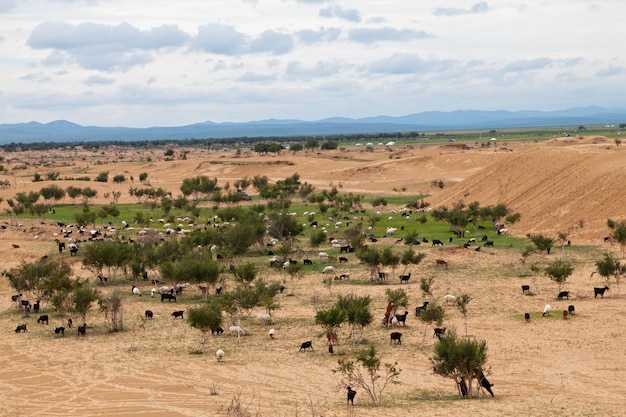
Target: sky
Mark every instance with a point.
(139, 63)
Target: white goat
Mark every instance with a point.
(449, 299)
(272, 333)
(236, 329)
(136, 291)
(328, 268)
(219, 355)
(547, 309)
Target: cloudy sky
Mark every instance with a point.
(141, 63)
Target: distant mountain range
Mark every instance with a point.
(433, 121)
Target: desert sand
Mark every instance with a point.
(549, 366)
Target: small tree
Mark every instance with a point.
(433, 314)
(459, 359)
(82, 297)
(461, 303)
(111, 306)
(426, 285)
(558, 271)
(204, 318)
(542, 242)
(364, 372)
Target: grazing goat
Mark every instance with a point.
(437, 242)
(489, 243)
(328, 268)
(307, 262)
(345, 275)
(525, 289)
(73, 249)
(306, 345)
(343, 260)
(527, 317)
(42, 318)
(449, 299)
(405, 278)
(178, 313)
(571, 309)
(265, 318)
(546, 310)
(236, 329)
(59, 330)
(168, 297)
(217, 330)
(441, 262)
(21, 328)
(402, 318)
(149, 314)
(219, 355)
(562, 295)
(323, 255)
(351, 395)
(272, 333)
(136, 291)
(396, 336)
(36, 307)
(82, 329)
(600, 291)
(420, 309)
(565, 314)
(439, 331)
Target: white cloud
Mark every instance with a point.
(99, 80)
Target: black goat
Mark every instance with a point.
(21, 328)
(571, 309)
(351, 395)
(599, 291)
(168, 297)
(178, 313)
(405, 278)
(489, 243)
(82, 329)
(59, 330)
(42, 318)
(527, 317)
(397, 336)
(306, 345)
(149, 314)
(402, 317)
(36, 307)
(439, 331)
(218, 330)
(525, 289)
(562, 295)
(70, 323)
(484, 382)
(420, 309)
(437, 242)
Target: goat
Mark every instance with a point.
(236, 329)
(397, 336)
(441, 262)
(149, 314)
(525, 289)
(484, 382)
(562, 295)
(168, 297)
(600, 291)
(323, 255)
(21, 328)
(70, 323)
(59, 330)
(42, 318)
(217, 330)
(420, 309)
(73, 249)
(565, 314)
(178, 313)
(82, 329)
(546, 310)
(219, 355)
(571, 309)
(449, 299)
(265, 318)
(345, 275)
(405, 278)
(328, 268)
(271, 333)
(402, 318)
(489, 243)
(527, 317)
(439, 331)
(136, 291)
(437, 242)
(307, 262)
(343, 260)
(351, 395)
(16, 297)
(306, 345)
(36, 307)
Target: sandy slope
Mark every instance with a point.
(550, 366)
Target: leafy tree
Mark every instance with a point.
(283, 226)
(119, 178)
(74, 193)
(52, 193)
(246, 272)
(619, 232)
(364, 372)
(609, 266)
(433, 314)
(112, 307)
(329, 145)
(143, 177)
(409, 257)
(205, 318)
(88, 193)
(317, 238)
(371, 257)
(102, 177)
(459, 359)
(379, 201)
(296, 147)
(331, 319)
(358, 314)
(311, 143)
(82, 297)
(426, 285)
(542, 242)
(461, 303)
(389, 259)
(558, 271)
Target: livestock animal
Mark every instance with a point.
(462, 387)
(271, 333)
(600, 291)
(25, 305)
(527, 317)
(36, 307)
(152, 292)
(449, 299)
(217, 330)
(178, 313)
(546, 310)
(136, 291)
(322, 255)
(236, 329)
(344, 249)
(15, 246)
(402, 318)
(565, 314)
(441, 262)
(21, 328)
(103, 279)
(351, 395)
(265, 318)
(489, 243)
(73, 249)
(328, 268)
(484, 382)
(420, 309)
(149, 314)
(437, 242)
(571, 309)
(343, 260)
(562, 295)
(70, 323)
(396, 336)
(219, 355)
(59, 330)
(168, 297)
(525, 289)
(405, 278)
(82, 329)
(306, 345)
(345, 275)
(439, 331)
(43, 318)
(16, 297)
(307, 262)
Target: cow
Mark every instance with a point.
(168, 297)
